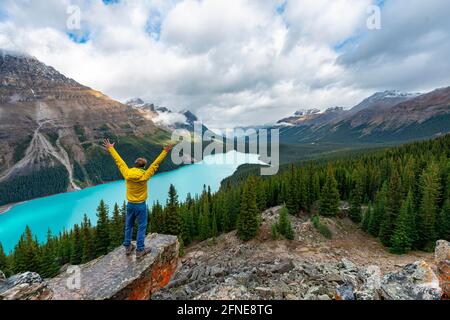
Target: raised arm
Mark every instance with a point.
(123, 168)
(155, 165)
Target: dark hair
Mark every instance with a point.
(140, 163)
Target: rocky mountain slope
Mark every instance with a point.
(388, 116)
(51, 124)
(313, 117)
(349, 266)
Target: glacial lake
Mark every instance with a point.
(63, 211)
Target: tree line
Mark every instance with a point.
(400, 195)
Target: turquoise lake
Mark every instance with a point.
(62, 211)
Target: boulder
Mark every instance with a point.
(345, 292)
(2, 276)
(442, 261)
(119, 277)
(415, 281)
(347, 265)
(24, 286)
(371, 283)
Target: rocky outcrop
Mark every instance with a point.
(442, 261)
(302, 280)
(25, 286)
(113, 276)
(415, 281)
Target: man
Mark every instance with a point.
(136, 181)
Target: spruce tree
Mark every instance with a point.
(392, 209)
(4, 265)
(248, 218)
(377, 215)
(404, 234)
(444, 221)
(89, 251)
(117, 228)
(366, 217)
(77, 246)
(292, 192)
(188, 224)
(102, 236)
(428, 207)
(204, 223)
(173, 223)
(157, 219)
(49, 266)
(284, 225)
(355, 212)
(329, 198)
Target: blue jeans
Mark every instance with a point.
(136, 211)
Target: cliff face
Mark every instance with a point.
(114, 276)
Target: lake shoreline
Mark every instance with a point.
(7, 207)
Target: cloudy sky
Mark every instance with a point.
(237, 62)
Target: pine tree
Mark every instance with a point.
(392, 210)
(292, 192)
(204, 223)
(157, 219)
(188, 224)
(428, 207)
(444, 222)
(173, 221)
(214, 231)
(260, 195)
(65, 248)
(26, 255)
(4, 265)
(77, 246)
(377, 215)
(302, 192)
(355, 212)
(117, 227)
(49, 266)
(367, 216)
(284, 225)
(329, 199)
(102, 236)
(405, 228)
(89, 251)
(248, 218)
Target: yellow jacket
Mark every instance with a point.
(136, 178)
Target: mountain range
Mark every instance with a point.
(389, 116)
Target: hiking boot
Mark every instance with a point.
(141, 253)
(129, 249)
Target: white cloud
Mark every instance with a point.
(170, 118)
(237, 62)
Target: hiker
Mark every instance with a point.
(136, 181)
